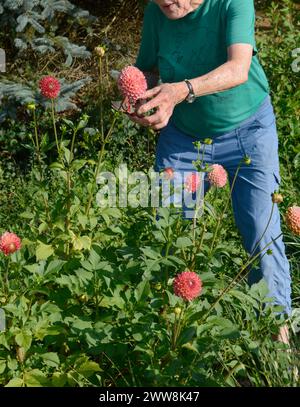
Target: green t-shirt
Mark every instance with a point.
(195, 45)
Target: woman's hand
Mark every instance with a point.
(164, 98)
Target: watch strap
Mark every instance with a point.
(191, 95)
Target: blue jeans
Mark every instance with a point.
(257, 138)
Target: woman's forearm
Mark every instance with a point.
(220, 79)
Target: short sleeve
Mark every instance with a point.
(147, 55)
(240, 23)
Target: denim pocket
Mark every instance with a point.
(265, 116)
(259, 141)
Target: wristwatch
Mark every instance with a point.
(191, 95)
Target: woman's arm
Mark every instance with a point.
(166, 96)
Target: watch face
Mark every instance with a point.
(190, 98)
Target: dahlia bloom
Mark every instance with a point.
(169, 173)
(132, 83)
(293, 219)
(9, 243)
(187, 285)
(50, 87)
(192, 182)
(218, 176)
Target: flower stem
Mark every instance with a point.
(72, 143)
(100, 157)
(101, 99)
(266, 228)
(6, 279)
(177, 327)
(36, 136)
(54, 126)
(224, 209)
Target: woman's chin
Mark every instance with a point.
(172, 12)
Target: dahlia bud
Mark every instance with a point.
(100, 51)
(269, 252)
(31, 106)
(247, 160)
(21, 354)
(157, 286)
(83, 298)
(207, 141)
(197, 144)
(177, 311)
(277, 198)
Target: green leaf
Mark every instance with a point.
(24, 339)
(27, 215)
(15, 382)
(51, 359)
(43, 251)
(56, 166)
(142, 290)
(59, 379)
(183, 242)
(54, 266)
(187, 335)
(2, 365)
(78, 164)
(150, 253)
(37, 268)
(35, 378)
(88, 368)
(81, 243)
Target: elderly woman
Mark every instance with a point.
(213, 86)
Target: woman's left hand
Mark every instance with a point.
(164, 98)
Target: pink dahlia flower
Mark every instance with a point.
(192, 182)
(9, 243)
(187, 285)
(218, 176)
(169, 173)
(293, 219)
(50, 87)
(132, 83)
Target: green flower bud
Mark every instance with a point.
(277, 198)
(31, 106)
(207, 141)
(247, 160)
(177, 311)
(157, 286)
(100, 51)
